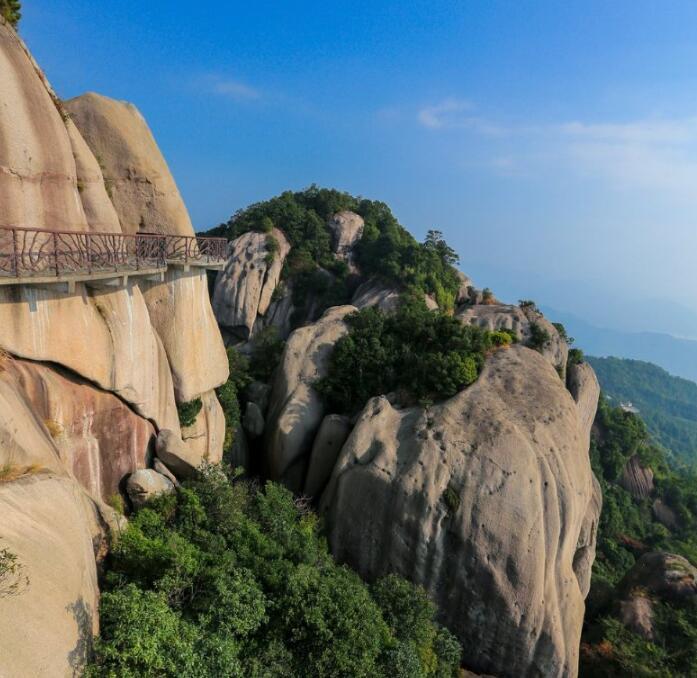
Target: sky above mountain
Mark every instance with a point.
(555, 144)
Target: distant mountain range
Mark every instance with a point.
(677, 356)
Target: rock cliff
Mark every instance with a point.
(89, 376)
(488, 501)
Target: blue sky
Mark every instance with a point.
(555, 143)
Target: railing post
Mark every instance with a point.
(55, 252)
(89, 253)
(137, 242)
(15, 251)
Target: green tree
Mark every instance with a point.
(225, 578)
(421, 354)
(11, 11)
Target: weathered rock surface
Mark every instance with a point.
(498, 316)
(296, 410)
(98, 208)
(163, 470)
(98, 438)
(329, 440)
(177, 456)
(146, 484)
(375, 293)
(488, 501)
(47, 629)
(205, 437)
(636, 479)
(105, 338)
(666, 575)
(585, 390)
(378, 294)
(142, 188)
(38, 178)
(180, 311)
(146, 199)
(245, 288)
(347, 229)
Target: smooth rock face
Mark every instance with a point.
(245, 288)
(146, 199)
(142, 188)
(347, 229)
(636, 479)
(97, 437)
(146, 484)
(180, 311)
(38, 182)
(296, 410)
(488, 501)
(329, 440)
(205, 437)
(105, 338)
(47, 629)
(99, 210)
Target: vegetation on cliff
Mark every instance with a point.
(225, 578)
(666, 403)
(386, 250)
(423, 355)
(11, 11)
(628, 528)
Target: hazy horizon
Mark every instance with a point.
(554, 145)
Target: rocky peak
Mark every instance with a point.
(347, 229)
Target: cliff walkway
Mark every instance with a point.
(42, 257)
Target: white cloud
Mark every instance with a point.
(655, 154)
(456, 114)
(228, 87)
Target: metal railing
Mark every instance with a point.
(32, 252)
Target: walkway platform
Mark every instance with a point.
(102, 260)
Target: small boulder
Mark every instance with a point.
(666, 575)
(146, 484)
(259, 393)
(180, 458)
(253, 420)
(637, 615)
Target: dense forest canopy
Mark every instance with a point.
(666, 403)
(422, 355)
(225, 578)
